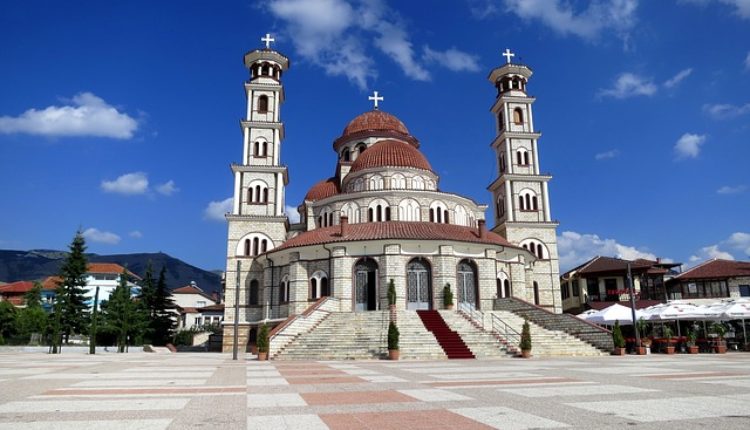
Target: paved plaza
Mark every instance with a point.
(186, 391)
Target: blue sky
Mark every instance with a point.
(122, 118)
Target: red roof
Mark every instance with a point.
(391, 153)
(376, 123)
(188, 289)
(17, 287)
(51, 282)
(716, 269)
(112, 268)
(394, 230)
(323, 189)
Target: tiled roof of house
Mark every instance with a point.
(17, 287)
(394, 230)
(716, 269)
(111, 268)
(192, 289)
(219, 307)
(391, 153)
(601, 264)
(50, 282)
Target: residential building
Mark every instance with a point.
(710, 281)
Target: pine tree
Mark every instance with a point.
(70, 301)
(146, 301)
(162, 322)
(121, 314)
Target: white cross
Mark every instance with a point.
(507, 54)
(374, 97)
(268, 39)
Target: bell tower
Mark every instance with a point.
(520, 193)
(257, 222)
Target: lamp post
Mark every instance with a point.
(92, 334)
(632, 307)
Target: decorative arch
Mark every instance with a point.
(461, 216)
(319, 285)
(360, 148)
(359, 184)
(439, 212)
(284, 289)
(536, 247)
(253, 244)
(398, 182)
(375, 182)
(518, 116)
(522, 157)
(346, 155)
(351, 211)
(503, 285)
(257, 191)
(409, 210)
(325, 217)
(378, 211)
(417, 183)
(418, 284)
(260, 148)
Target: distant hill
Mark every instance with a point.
(40, 263)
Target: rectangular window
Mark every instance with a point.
(610, 286)
(744, 290)
(576, 289)
(592, 289)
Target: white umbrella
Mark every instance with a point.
(674, 311)
(585, 315)
(616, 312)
(739, 310)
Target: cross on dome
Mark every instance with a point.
(268, 39)
(507, 54)
(374, 97)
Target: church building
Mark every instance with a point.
(382, 216)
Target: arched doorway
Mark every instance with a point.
(365, 285)
(418, 284)
(467, 283)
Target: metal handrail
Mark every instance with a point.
(502, 328)
(473, 313)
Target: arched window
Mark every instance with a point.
(536, 293)
(398, 182)
(257, 192)
(417, 183)
(500, 206)
(409, 210)
(500, 121)
(502, 163)
(503, 285)
(376, 182)
(263, 245)
(256, 245)
(319, 285)
(253, 294)
(387, 213)
(527, 200)
(461, 216)
(378, 210)
(438, 212)
(537, 248)
(526, 158)
(351, 211)
(518, 116)
(251, 245)
(346, 155)
(468, 288)
(247, 248)
(360, 148)
(445, 216)
(284, 289)
(265, 195)
(260, 149)
(263, 104)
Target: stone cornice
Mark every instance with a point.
(261, 169)
(518, 177)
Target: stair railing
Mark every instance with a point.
(501, 328)
(473, 313)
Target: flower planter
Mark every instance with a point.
(526, 353)
(669, 350)
(642, 350)
(262, 356)
(393, 354)
(721, 349)
(692, 349)
(618, 351)
(449, 307)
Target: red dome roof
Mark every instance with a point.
(323, 189)
(376, 123)
(390, 153)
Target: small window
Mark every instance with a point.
(253, 293)
(346, 155)
(536, 293)
(744, 290)
(247, 247)
(263, 104)
(518, 116)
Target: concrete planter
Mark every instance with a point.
(393, 354)
(526, 353)
(669, 350)
(618, 351)
(262, 356)
(692, 349)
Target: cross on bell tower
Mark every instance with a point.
(508, 55)
(375, 99)
(267, 40)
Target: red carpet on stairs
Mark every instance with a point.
(449, 340)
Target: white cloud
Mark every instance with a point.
(481, 9)
(135, 234)
(747, 61)
(725, 110)
(689, 145)
(216, 210)
(129, 184)
(576, 248)
(87, 115)
(630, 85)
(597, 17)
(168, 188)
(738, 241)
(393, 41)
(709, 252)
(95, 235)
(741, 7)
(679, 77)
(727, 189)
(612, 153)
(452, 59)
(292, 213)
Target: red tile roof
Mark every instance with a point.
(394, 230)
(219, 307)
(111, 268)
(17, 287)
(50, 282)
(601, 264)
(716, 269)
(188, 289)
(376, 123)
(323, 189)
(391, 153)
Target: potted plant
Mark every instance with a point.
(448, 297)
(525, 344)
(719, 330)
(645, 345)
(692, 347)
(669, 349)
(391, 295)
(393, 334)
(618, 340)
(262, 343)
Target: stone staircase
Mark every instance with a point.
(451, 342)
(482, 344)
(546, 343)
(587, 332)
(286, 332)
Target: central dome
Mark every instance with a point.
(376, 123)
(391, 153)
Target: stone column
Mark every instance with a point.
(298, 285)
(444, 272)
(341, 268)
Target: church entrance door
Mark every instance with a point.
(365, 285)
(418, 285)
(467, 283)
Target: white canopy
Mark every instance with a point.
(674, 311)
(586, 314)
(616, 312)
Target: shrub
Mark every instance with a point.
(617, 337)
(447, 295)
(692, 336)
(184, 337)
(718, 329)
(262, 341)
(391, 293)
(393, 336)
(668, 332)
(525, 343)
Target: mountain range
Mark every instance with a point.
(37, 264)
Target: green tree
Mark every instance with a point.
(525, 343)
(7, 321)
(146, 300)
(393, 335)
(617, 338)
(71, 311)
(32, 319)
(121, 314)
(162, 322)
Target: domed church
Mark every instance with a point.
(382, 216)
